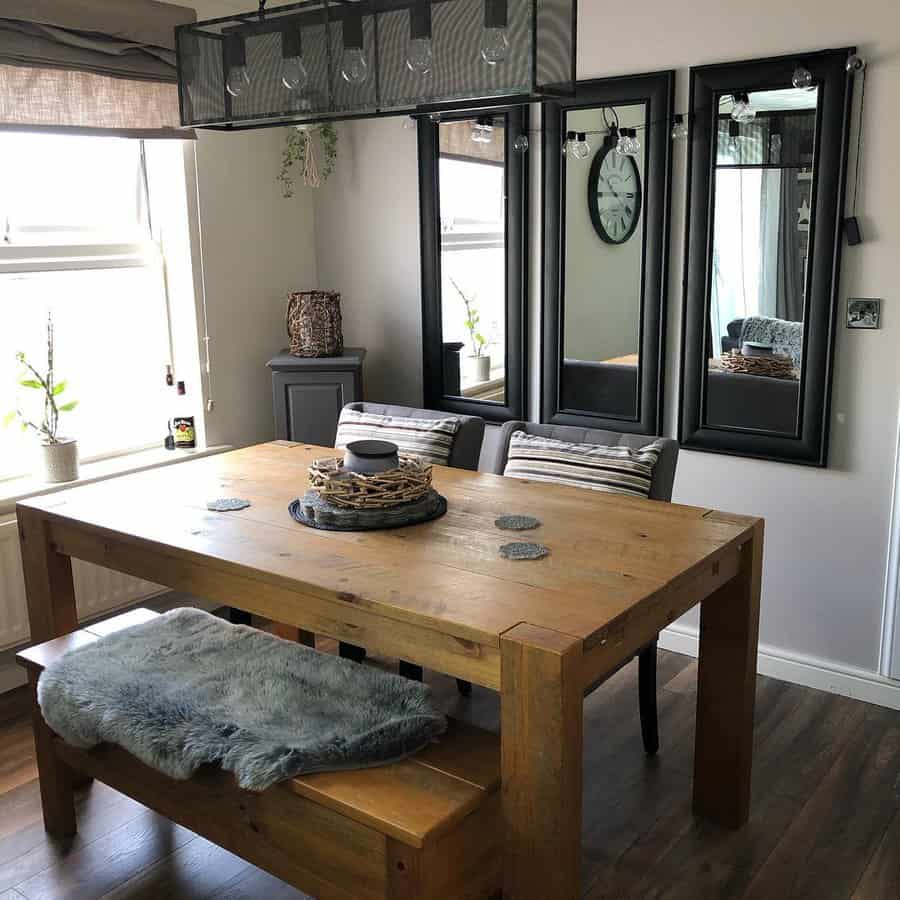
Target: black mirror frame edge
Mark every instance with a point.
(810, 446)
(517, 118)
(657, 89)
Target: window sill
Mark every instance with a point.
(22, 488)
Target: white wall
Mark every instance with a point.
(827, 530)
(256, 247)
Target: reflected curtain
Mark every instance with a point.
(789, 303)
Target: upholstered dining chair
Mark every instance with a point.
(464, 454)
(661, 483)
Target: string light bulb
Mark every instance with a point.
(568, 142)
(802, 79)
(494, 38)
(628, 143)
(419, 49)
(581, 149)
(521, 143)
(734, 132)
(238, 78)
(294, 75)
(741, 110)
(354, 65)
(679, 127)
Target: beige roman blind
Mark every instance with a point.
(93, 66)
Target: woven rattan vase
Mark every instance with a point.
(313, 323)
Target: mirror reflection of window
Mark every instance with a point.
(604, 258)
(762, 209)
(472, 174)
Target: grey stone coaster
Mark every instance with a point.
(227, 504)
(517, 523)
(524, 550)
(312, 510)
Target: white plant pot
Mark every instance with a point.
(59, 460)
(480, 367)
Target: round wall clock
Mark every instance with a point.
(614, 195)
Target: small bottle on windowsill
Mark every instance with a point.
(182, 423)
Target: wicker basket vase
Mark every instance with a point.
(313, 323)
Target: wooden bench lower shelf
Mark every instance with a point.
(427, 828)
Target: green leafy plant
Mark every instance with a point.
(34, 380)
(479, 341)
(296, 152)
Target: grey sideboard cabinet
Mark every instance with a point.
(309, 394)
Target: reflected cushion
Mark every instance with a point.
(430, 439)
(616, 470)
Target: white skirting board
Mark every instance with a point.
(822, 674)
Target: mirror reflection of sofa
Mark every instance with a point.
(756, 401)
(606, 388)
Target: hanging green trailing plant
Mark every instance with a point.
(300, 150)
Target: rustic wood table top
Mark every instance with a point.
(439, 594)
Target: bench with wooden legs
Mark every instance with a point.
(427, 828)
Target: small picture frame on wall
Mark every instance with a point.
(863, 312)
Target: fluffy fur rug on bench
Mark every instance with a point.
(188, 689)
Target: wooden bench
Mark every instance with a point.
(427, 827)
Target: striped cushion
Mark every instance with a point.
(429, 439)
(616, 470)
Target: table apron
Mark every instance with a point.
(456, 656)
(605, 653)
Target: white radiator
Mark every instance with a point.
(97, 590)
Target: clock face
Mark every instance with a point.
(614, 195)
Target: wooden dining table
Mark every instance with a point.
(440, 595)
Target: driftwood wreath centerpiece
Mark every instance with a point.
(380, 490)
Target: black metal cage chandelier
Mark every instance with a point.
(341, 59)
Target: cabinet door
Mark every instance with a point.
(307, 406)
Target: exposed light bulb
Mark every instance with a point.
(568, 142)
(419, 50)
(734, 132)
(628, 143)
(581, 149)
(238, 79)
(482, 131)
(494, 45)
(855, 63)
(802, 77)
(679, 128)
(742, 111)
(521, 143)
(293, 73)
(354, 65)
(494, 38)
(419, 55)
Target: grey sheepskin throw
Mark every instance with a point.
(188, 689)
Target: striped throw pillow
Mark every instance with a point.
(429, 439)
(616, 470)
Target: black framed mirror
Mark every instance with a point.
(767, 170)
(607, 168)
(472, 182)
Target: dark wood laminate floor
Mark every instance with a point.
(825, 822)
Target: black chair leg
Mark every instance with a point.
(351, 651)
(239, 616)
(464, 687)
(647, 698)
(410, 670)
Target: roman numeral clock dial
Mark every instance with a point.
(614, 195)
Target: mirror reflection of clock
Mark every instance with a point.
(614, 195)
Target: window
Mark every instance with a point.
(472, 194)
(76, 242)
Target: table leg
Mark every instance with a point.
(726, 692)
(541, 741)
(49, 589)
(50, 594)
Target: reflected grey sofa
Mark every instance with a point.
(661, 485)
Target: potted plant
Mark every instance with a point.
(479, 361)
(59, 455)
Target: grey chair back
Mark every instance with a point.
(467, 445)
(663, 472)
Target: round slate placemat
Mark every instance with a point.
(313, 511)
(524, 550)
(517, 523)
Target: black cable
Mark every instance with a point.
(859, 139)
